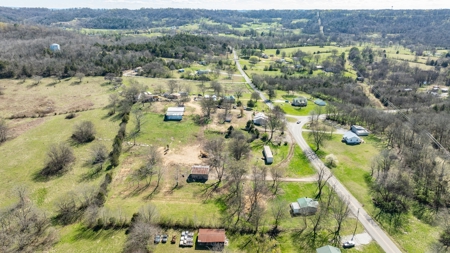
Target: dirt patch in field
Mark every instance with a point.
(187, 156)
(49, 98)
(20, 126)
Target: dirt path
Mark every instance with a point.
(374, 101)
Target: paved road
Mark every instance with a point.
(369, 224)
(261, 94)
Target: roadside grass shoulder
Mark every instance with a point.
(299, 166)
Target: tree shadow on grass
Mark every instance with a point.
(137, 191)
(41, 176)
(153, 193)
(92, 174)
(82, 232)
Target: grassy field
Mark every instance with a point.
(50, 96)
(19, 168)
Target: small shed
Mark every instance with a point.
(351, 138)
(199, 173)
(268, 154)
(328, 249)
(211, 237)
(300, 101)
(304, 206)
(320, 102)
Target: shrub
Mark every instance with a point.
(265, 137)
(331, 161)
(84, 132)
(59, 158)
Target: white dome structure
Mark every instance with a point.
(55, 47)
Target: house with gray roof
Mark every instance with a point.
(351, 138)
(359, 130)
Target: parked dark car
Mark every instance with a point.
(164, 239)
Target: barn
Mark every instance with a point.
(174, 113)
(199, 173)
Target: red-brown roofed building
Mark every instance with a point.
(211, 237)
(199, 173)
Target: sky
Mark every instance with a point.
(233, 4)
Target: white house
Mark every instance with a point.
(351, 138)
(260, 119)
(359, 130)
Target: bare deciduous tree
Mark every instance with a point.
(238, 92)
(208, 106)
(80, 76)
(113, 102)
(322, 179)
(59, 158)
(99, 154)
(218, 157)
(172, 85)
(277, 174)
(25, 228)
(318, 134)
(275, 120)
(238, 146)
(279, 212)
(84, 132)
(340, 212)
(255, 96)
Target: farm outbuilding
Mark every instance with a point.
(174, 113)
(211, 237)
(268, 154)
(304, 206)
(199, 173)
(351, 138)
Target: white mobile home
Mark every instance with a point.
(268, 154)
